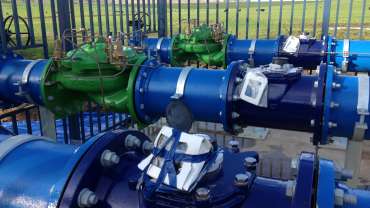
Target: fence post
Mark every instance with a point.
(162, 18)
(47, 120)
(65, 28)
(326, 18)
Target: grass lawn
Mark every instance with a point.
(242, 28)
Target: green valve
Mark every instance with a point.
(99, 71)
(204, 44)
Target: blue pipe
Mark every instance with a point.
(20, 80)
(311, 52)
(39, 172)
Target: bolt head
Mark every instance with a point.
(109, 158)
(202, 194)
(87, 198)
(250, 161)
(241, 179)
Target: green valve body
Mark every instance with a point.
(90, 74)
(203, 44)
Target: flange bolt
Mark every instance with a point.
(241, 180)
(87, 198)
(250, 163)
(109, 158)
(202, 194)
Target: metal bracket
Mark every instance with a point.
(345, 62)
(180, 87)
(251, 50)
(362, 106)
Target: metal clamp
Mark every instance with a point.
(251, 51)
(345, 61)
(25, 76)
(362, 106)
(12, 143)
(180, 87)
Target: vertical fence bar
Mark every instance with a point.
(198, 12)
(82, 123)
(14, 124)
(237, 19)
(304, 16)
(16, 24)
(315, 18)
(247, 19)
(91, 124)
(91, 19)
(348, 33)
(179, 13)
(107, 16)
(106, 119)
(280, 17)
(100, 23)
(269, 20)
(40, 123)
(65, 131)
(258, 18)
(132, 15)
(28, 121)
(150, 17)
(326, 18)
(138, 26)
(154, 17)
(114, 18)
(217, 11)
(337, 18)
(30, 22)
(291, 18)
(171, 17)
(2, 30)
(127, 12)
(188, 12)
(207, 12)
(73, 20)
(82, 19)
(43, 30)
(144, 15)
(98, 115)
(54, 19)
(120, 16)
(162, 18)
(362, 19)
(227, 16)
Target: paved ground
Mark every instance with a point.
(283, 145)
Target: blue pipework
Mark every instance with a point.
(38, 172)
(310, 54)
(324, 104)
(20, 80)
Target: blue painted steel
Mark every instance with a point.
(289, 107)
(156, 84)
(304, 189)
(359, 52)
(363, 197)
(264, 52)
(11, 70)
(160, 48)
(36, 172)
(326, 184)
(311, 52)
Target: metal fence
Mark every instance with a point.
(33, 25)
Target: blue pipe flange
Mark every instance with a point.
(108, 171)
(317, 104)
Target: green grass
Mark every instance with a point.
(242, 26)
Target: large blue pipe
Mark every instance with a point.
(37, 172)
(310, 54)
(295, 103)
